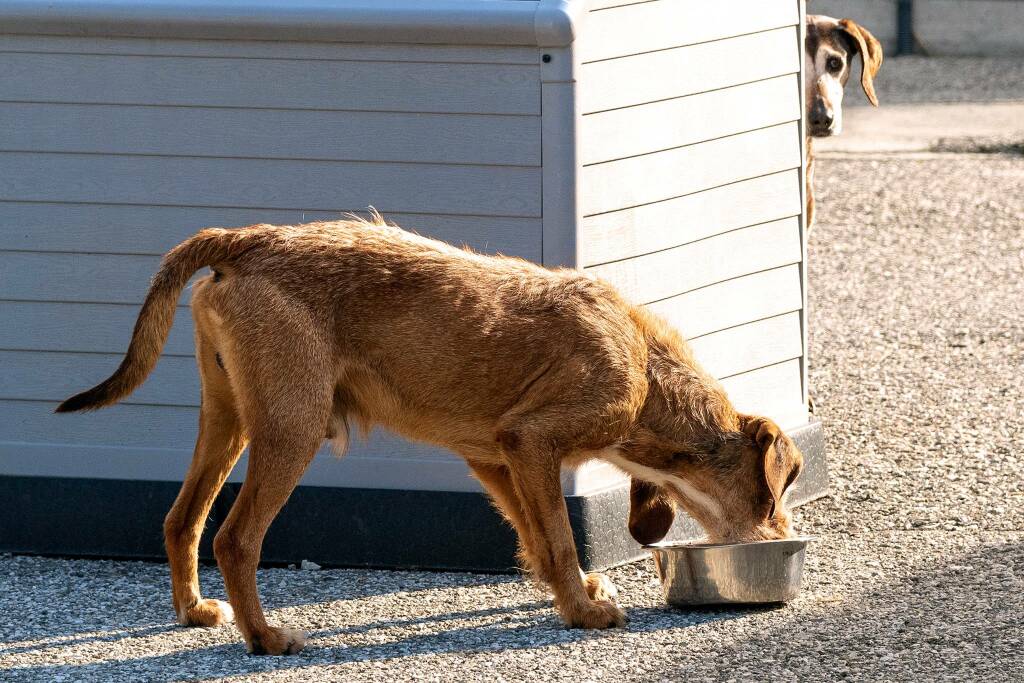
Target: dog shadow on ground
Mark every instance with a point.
(522, 625)
(145, 586)
(912, 627)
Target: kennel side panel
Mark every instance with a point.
(477, 190)
(625, 30)
(319, 135)
(733, 302)
(664, 124)
(269, 49)
(638, 230)
(148, 442)
(668, 273)
(751, 346)
(152, 230)
(46, 326)
(773, 391)
(271, 83)
(672, 173)
(664, 74)
(97, 180)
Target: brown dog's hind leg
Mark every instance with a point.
(275, 466)
(286, 409)
(220, 443)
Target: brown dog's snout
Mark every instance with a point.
(821, 115)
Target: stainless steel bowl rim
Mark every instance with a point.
(708, 546)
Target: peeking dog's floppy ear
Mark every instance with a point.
(651, 512)
(870, 55)
(782, 461)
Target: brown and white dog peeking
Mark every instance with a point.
(830, 46)
(519, 369)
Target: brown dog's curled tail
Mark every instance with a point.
(154, 322)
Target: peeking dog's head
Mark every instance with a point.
(830, 46)
(736, 491)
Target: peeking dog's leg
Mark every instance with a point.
(535, 472)
(220, 443)
(497, 480)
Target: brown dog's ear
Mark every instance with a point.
(870, 55)
(782, 461)
(651, 512)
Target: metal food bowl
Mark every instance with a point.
(711, 574)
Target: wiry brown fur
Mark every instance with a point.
(842, 40)
(519, 369)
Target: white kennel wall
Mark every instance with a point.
(656, 144)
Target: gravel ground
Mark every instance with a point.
(917, 338)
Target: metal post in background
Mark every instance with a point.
(905, 27)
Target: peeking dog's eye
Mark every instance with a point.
(834, 64)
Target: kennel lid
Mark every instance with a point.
(541, 23)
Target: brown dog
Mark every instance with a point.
(830, 46)
(517, 368)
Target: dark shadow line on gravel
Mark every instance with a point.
(531, 630)
(106, 637)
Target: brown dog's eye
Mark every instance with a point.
(834, 64)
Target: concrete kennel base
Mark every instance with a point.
(332, 526)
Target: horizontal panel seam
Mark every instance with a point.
(701, 42)
(625, 4)
(777, 124)
(89, 302)
(114, 354)
(778, 77)
(761, 367)
(125, 401)
(530, 114)
(718, 282)
(691, 94)
(148, 155)
(687, 194)
(788, 311)
(439, 62)
(57, 401)
(75, 444)
(340, 211)
(695, 241)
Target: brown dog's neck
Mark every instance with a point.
(684, 405)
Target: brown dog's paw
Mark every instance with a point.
(600, 587)
(207, 612)
(277, 641)
(602, 614)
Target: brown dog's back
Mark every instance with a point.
(434, 342)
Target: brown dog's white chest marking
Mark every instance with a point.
(705, 507)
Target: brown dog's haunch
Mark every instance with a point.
(519, 369)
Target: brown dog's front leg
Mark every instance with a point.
(535, 476)
(497, 480)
